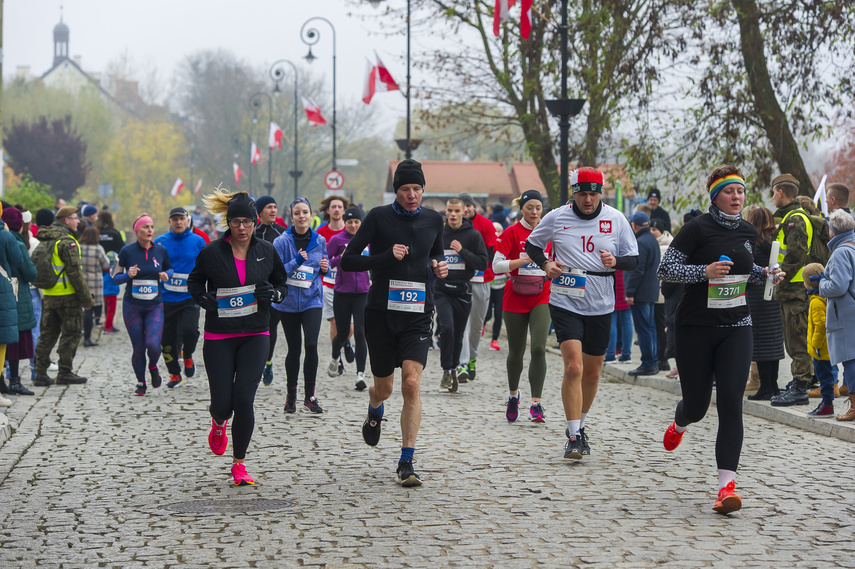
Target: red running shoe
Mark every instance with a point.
(218, 440)
(241, 477)
(728, 501)
(672, 438)
(494, 345)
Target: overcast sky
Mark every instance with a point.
(162, 32)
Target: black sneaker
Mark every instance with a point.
(291, 404)
(312, 405)
(69, 378)
(371, 430)
(174, 381)
(340, 367)
(586, 448)
(348, 353)
(140, 390)
(406, 475)
(156, 380)
(471, 370)
(573, 448)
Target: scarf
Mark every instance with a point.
(400, 210)
(725, 220)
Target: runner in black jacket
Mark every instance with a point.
(235, 280)
(405, 243)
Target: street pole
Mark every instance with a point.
(310, 37)
(277, 73)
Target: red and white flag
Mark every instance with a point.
(387, 83)
(236, 168)
(176, 187)
(255, 153)
(313, 112)
(501, 14)
(377, 78)
(525, 18)
(198, 187)
(370, 82)
(275, 139)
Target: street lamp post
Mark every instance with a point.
(277, 73)
(310, 37)
(408, 144)
(255, 103)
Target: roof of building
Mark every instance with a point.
(481, 179)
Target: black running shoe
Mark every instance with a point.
(291, 404)
(371, 430)
(312, 405)
(406, 475)
(586, 448)
(156, 380)
(340, 367)
(573, 448)
(348, 353)
(174, 381)
(140, 390)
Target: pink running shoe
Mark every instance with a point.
(672, 438)
(537, 414)
(241, 477)
(218, 440)
(494, 345)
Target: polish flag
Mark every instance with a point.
(236, 168)
(525, 19)
(821, 197)
(176, 187)
(275, 138)
(255, 153)
(501, 14)
(370, 82)
(313, 112)
(388, 84)
(198, 187)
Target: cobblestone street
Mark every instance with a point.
(94, 477)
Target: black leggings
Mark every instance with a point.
(89, 317)
(234, 368)
(452, 314)
(705, 354)
(295, 324)
(275, 318)
(345, 306)
(494, 310)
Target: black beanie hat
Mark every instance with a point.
(352, 213)
(408, 172)
(44, 217)
(241, 205)
(263, 202)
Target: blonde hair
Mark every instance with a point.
(218, 203)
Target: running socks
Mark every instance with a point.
(573, 426)
(407, 454)
(582, 420)
(376, 413)
(725, 477)
(680, 429)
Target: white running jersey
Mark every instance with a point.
(576, 244)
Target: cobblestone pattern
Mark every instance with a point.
(86, 479)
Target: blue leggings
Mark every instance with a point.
(144, 324)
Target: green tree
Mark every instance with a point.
(32, 195)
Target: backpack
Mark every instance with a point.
(42, 258)
(818, 236)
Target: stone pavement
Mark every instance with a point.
(94, 477)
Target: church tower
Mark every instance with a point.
(60, 42)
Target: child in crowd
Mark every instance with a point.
(817, 344)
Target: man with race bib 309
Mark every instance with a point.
(590, 240)
(405, 243)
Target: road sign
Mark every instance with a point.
(105, 190)
(334, 180)
(346, 162)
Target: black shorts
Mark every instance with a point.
(592, 331)
(393, 337)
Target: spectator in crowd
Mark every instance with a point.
(642, 291)
(94, 262)
(654, 199)
(89, 215)
(660, 231)
(500, 216)
(21, 348)
(817, 343)
(837, 195)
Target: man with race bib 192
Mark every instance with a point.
(405, 246)
(590, 240)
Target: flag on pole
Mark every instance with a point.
(501, 14)
(176, 187)
(255, 153)
(387, 83)
(370, 82)
(618, 196)
(525, 19)
(275, 138)
(313, 112)
(198, 187)
(236, 168)
(820, 198)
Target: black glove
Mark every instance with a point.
(207, 300)
(265, 292)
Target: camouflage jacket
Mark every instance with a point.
(67, 249)
(796, 241)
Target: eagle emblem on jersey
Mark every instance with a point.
(605, 226)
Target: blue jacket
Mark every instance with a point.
(183, 248)
(642, 285)
(111, 289)
(301, 299)
(26, 274)
(838, 286)
(10, 259)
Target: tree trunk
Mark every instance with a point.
(785, 149)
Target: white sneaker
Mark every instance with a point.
(5, 402)
(332, 370)
(53, 367)
(360, 381)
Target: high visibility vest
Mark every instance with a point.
(780, 239)
(63, 286)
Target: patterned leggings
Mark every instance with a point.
(145, 328)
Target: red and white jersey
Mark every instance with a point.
(576, 244)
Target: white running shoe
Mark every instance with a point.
(332, 370)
